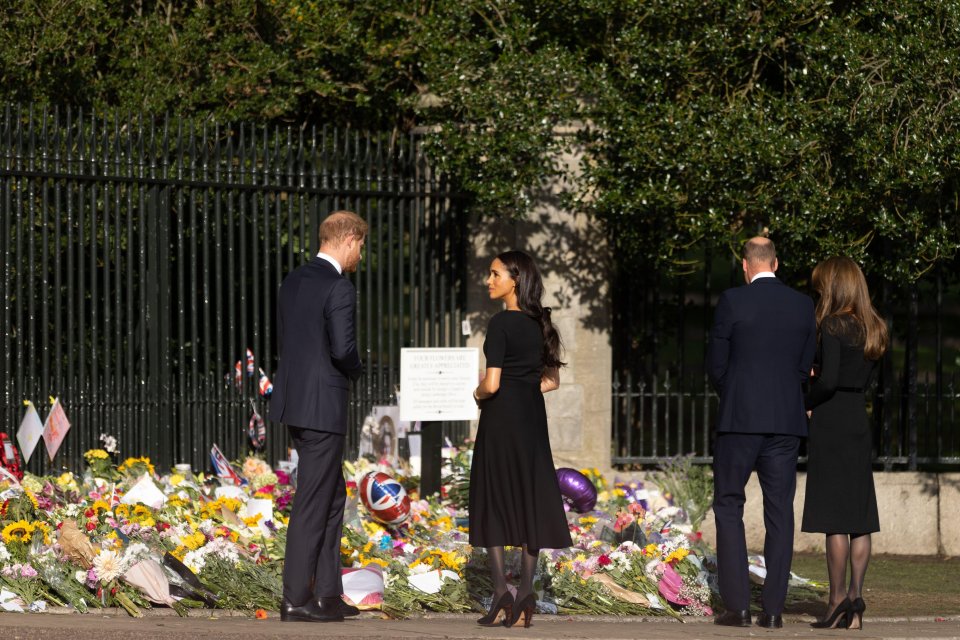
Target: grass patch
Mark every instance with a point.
(895, 586)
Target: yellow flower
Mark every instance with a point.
(372, 529)
(651, 549)
(65, 480)
(194, 541)
(677, 555)
(251, 521)
(588, 520)
(33, 498)
(129, 463)
(142, 511)
(122, 511)
(581, 557)
(376, 560)
(176, 479)
(43, 527)
(96, 454)
(19, 531)
(179, 553)
(100, 506)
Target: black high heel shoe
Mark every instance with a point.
(855, 620)
(525, 607)
(504, 603)
(839, 618)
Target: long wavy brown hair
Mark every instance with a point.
(524, 272)
(844, 295)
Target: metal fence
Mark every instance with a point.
(657, 418)
(142, 258)
(663, 405)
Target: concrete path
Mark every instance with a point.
(52, 626)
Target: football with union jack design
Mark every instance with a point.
(384, 498)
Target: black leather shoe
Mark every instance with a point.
(347, 610)
(332, 606)
(768, 621)
(309, 612)
(733, 618)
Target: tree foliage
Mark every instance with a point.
(833, 124)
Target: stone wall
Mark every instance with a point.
(919, 515)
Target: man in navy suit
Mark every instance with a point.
(318, 358)
(761, 348)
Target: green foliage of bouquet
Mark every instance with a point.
(689, 485)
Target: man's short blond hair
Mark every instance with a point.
(340, 226)
(760, 250)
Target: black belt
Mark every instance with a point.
(850, 389)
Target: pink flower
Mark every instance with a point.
(670, 585)
(637, 509)
(624, 520)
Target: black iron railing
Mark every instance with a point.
(656, 418)
(141, 258)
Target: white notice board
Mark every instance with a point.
(438, 384)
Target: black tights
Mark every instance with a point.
(841, 549)
(498, 572)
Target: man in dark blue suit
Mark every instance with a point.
(761, 348)
(318, 358)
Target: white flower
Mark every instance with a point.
(109, 443)
(4, 554)
(135, 552)
(195, 560)
(80, 576)
(222, 548)
(420, 568)
(71, 510)
(107, 565)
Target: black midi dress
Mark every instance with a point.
(514, 495)
(840, 496)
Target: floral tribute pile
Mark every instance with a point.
(122, 534)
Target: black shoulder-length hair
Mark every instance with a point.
(529, 290)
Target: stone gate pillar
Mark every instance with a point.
(573, 257)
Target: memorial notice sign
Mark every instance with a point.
(437, 384)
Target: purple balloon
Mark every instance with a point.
(576, 489)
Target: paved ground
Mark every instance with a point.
(52, 626)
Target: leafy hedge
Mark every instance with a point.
(832, 124)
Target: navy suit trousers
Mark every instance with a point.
(735, 457)
(311, 567)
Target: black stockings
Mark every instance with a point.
(498, 572)
(841, 549)
(528, 567)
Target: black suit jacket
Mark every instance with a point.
(318, 348)
(762, 345)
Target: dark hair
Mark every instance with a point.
(529, 290)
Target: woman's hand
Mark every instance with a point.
(489, 385)
(550, 380)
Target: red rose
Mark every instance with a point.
(604, 560)
(91, 526)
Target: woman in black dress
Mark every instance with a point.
(840, 498)
(514, 496)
